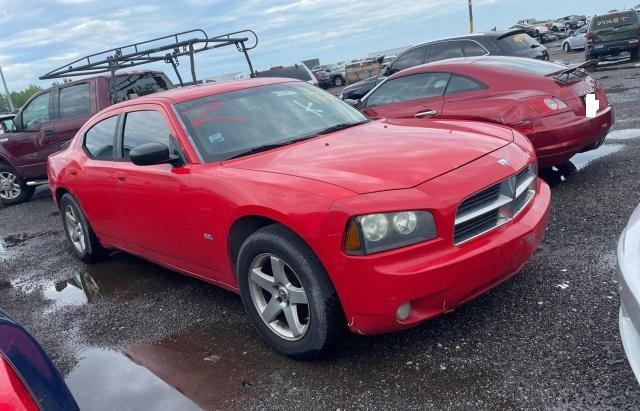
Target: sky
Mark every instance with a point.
(37, 36)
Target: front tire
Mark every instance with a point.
(287, 294)
(13, 190)
(567, 47)
(84, 242)
(338, 81)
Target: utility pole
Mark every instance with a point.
(6, 90)
(470, 17)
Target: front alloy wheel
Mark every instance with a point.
(278, 296)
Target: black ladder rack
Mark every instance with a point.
(167, 48)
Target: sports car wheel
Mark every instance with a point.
(12, 189)
(85, 244)
(287, 293)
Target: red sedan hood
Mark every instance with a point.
(379, 156)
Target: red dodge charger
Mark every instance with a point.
(544, 101)
(316, 215)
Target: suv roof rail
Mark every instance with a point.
(166, 48)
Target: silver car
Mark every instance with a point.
(629, 283)
(578, 40)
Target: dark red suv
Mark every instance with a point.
(52, 117)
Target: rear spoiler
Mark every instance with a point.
(565, 72)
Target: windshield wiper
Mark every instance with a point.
(339, 127)
(267, 147)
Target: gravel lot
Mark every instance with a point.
(142, 337)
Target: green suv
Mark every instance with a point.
(612, 34)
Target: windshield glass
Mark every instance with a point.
(614, 20)
(518, 42)
(228, 124)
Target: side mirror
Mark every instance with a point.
(17, 122)
(353, 103)
(152, 153)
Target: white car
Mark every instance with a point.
(575, 42)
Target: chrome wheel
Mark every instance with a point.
(338, 81)
(278, 296)
(9, 187)
(74, 228)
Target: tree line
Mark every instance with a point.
(18, 97)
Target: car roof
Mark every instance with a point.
(182, 94)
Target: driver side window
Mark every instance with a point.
(36, 112)
(414, 87)
(142, 127)
(409, 59)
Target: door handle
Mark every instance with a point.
(426, 113)
(47, 133)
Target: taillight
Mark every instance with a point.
(590, 37)
(14, 395)
(546, 105)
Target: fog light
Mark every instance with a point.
(403, 311)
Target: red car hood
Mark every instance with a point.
(379, 156)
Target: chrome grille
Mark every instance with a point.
(495, 205)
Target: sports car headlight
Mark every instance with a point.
(373, 233)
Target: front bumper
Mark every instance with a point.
(560, 137)
(436, 278)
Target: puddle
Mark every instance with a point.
(109, 380)
(582, 160)
(77, 290)
(209, 370)
(626, 134)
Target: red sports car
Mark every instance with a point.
(542, 100)
(316, 215)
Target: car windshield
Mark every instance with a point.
(614, 20)
(518, 42)
(232, 124)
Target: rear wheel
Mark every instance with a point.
(13, 190)
(287, 293)
(86, 245)
(338, 81)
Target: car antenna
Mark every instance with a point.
(166, 48)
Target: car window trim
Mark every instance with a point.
(59, 89)
(84, 139)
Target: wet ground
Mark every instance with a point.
(127, 334)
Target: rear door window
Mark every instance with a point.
(414, 87)
(74, 100)
(445, 50)
(98, 141)
(142, 127)
(461, 84)
(136, 85)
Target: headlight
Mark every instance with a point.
(373, 233)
